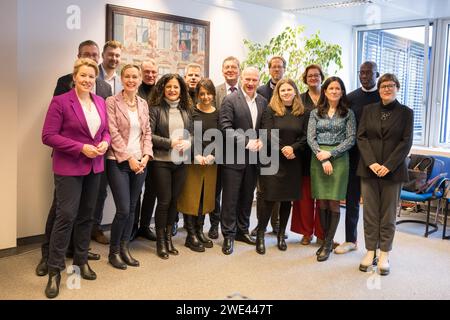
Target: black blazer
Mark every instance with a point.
(266, 91)
(65, 84)
(235, 114)
(159, 123)
(389, 149)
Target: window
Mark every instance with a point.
(142, 31)
(118, 20)
(443, 94)
(164, 34)
(402, 51)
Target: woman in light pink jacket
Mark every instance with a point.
(127, 158)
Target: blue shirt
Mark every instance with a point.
(335, 131)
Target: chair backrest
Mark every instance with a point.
(446, 161)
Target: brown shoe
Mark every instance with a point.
(335, 244)
(98, 236)
(306, 240)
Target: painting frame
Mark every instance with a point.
(173, 41)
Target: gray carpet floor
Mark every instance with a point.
(420, 269)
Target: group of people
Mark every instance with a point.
(133, 129)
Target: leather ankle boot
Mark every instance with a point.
(126, 255)
(260, 243)
(54, 280)
(161, 248)
(281, 242)
(207, 243)
(192, 242)
(170, 247)
(42, 268)
(115, 259)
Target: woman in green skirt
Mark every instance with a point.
(331, 133)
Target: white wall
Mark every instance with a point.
(8, 124)
(47, 50)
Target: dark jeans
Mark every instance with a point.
(144, 213)
(125, 186)
(352, 206)
(168, 179)
(237, 197)
(76, 197)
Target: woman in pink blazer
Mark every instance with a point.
(131, 149)
(76, 128)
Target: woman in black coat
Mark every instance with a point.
(171, 124)
(287, 115)
(385, 137)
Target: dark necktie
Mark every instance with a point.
(233, 89)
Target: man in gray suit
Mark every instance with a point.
(230, 71)
(240, 112)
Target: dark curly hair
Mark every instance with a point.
(323, 106)
(157, 95)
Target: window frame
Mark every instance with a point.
(428, 74)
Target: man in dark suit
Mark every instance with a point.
(240, 112)
(277, 66)
(230, 71)
(143, 217)
(86, 49)
(358, 99)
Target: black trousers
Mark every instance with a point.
(237, 197)
(352, 206)
(168, 179)
(265, 209)
(144, 213)
(76, 197)
(98, 214)
(214, 217)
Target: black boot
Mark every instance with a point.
(54, 280)
(332, 227)
(281, 242)
(169, 244)
(323, 215)
(126, 255)
(42, 268)
(192, 242)
(200, 221)
(260, 244)
(161, 248)
(115, 259)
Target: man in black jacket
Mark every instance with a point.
(86, 49)
(240, 112)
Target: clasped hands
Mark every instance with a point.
(254, 145)
(379, 170)
(92, 152)
(288, 152)
(137, 166)
(180, 145)
(324, 156)
(209, 159)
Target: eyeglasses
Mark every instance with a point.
(309, 76)
(387, 86)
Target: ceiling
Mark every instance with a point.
(367, 13)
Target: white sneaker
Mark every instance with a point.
(367, 261)
(345, 247)
(383, 263)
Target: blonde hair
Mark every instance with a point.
(277, 105)
(129, 66)
(84, 62)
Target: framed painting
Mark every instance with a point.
(172, 41)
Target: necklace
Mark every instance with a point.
(131, 104)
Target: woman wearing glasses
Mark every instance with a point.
(305, 217)
(384, 139)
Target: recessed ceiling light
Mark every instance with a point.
(334, 5)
